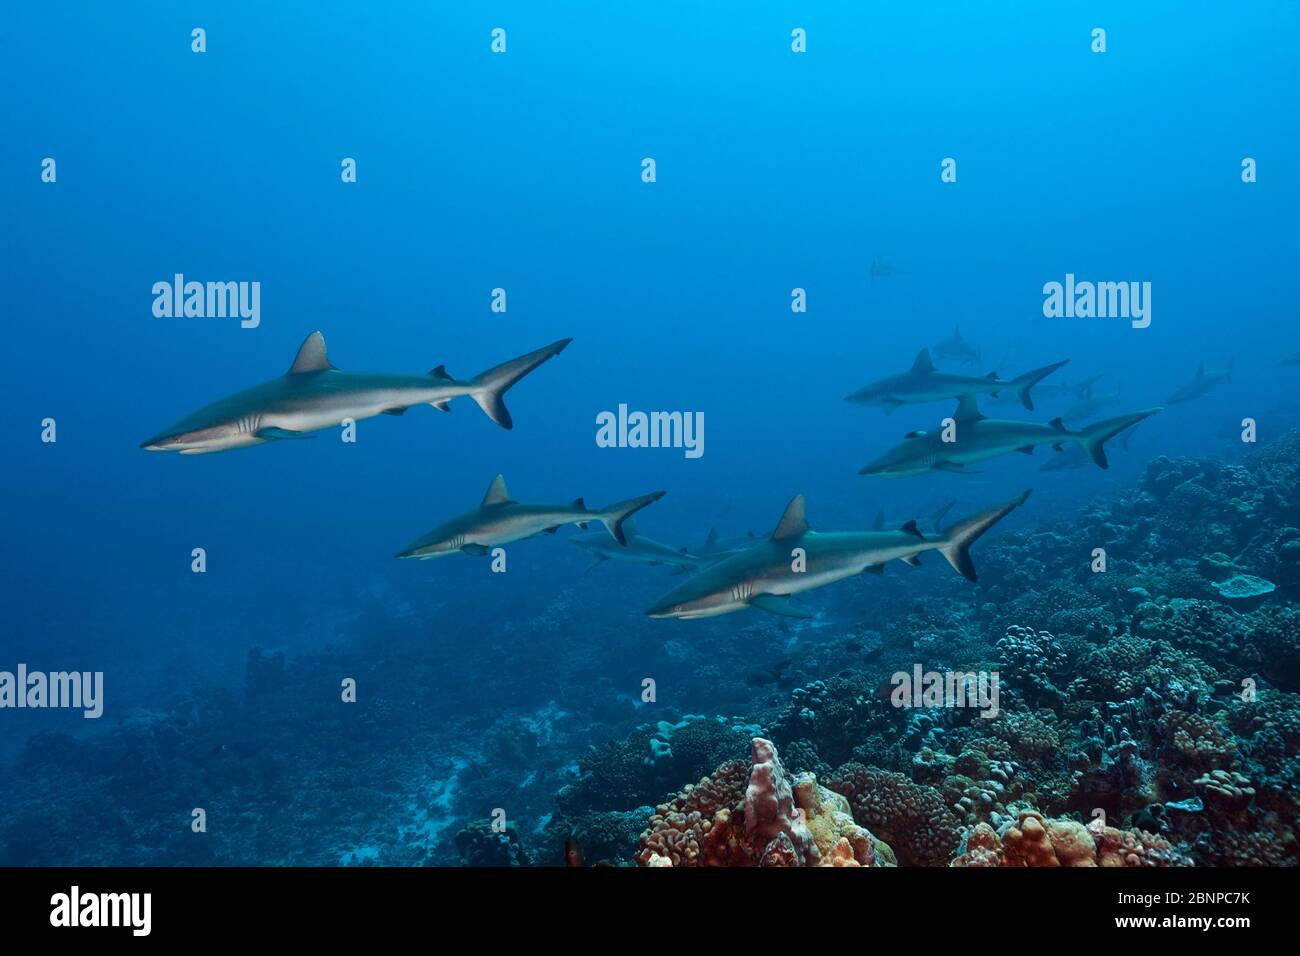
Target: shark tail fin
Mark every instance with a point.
(1094, 437)
(1023, 383)
(614, 516)
(489, 388)
(959, 538)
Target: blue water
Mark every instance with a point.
(522, 171)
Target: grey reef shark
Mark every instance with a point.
(1051, 390)
(716, 544)
(924, 383)
(957, 349)
(976, 438)
(1091, 400)
(1205, 380)
(314, 394)
(640, 549)
(936, 519)
(765, 575)
(1074, 457)
(500, 520)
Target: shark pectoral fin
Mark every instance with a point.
(890, 404)
(277, 434)
(476, 549)
(777, 604)
(957, 468)
(598, 560)
(874, 569)
(551, 530)
(1026, 450)
(395, 411)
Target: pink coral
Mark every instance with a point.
(1034, 841)
(750, 815)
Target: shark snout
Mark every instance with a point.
(162, 442)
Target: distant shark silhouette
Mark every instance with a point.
(957, 349)
(936, 519)
(924, 383)
(763, 576)
(639, 549)
(881, 269)
(1091, 400)
(500, 520)
(313, 395)
(980, 439)
(1205, 380)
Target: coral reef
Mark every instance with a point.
(751, 815)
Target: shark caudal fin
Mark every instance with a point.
(614, 517)
(1094, 437)
(1023, 383)
(489, 388)
(959, 538)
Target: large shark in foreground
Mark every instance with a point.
(313, 394)
(499, 520)
(977, 438)
(924, 383)
(1205, 380)
(764, 576)
(639, 549)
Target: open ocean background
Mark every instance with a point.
(522, 171)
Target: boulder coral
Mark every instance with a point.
(1035, 841)
(752, 815)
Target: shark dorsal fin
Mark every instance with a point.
(968, 409)
(923, 362)
(911, 528)
(1200, 370)
(311, 356)
(711, 538)
(496, 493)
(879, 522)
(441, 373)
(793, 523)
(919, 433)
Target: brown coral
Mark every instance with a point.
(913, 819)
(747, 814)
(1033, 841)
